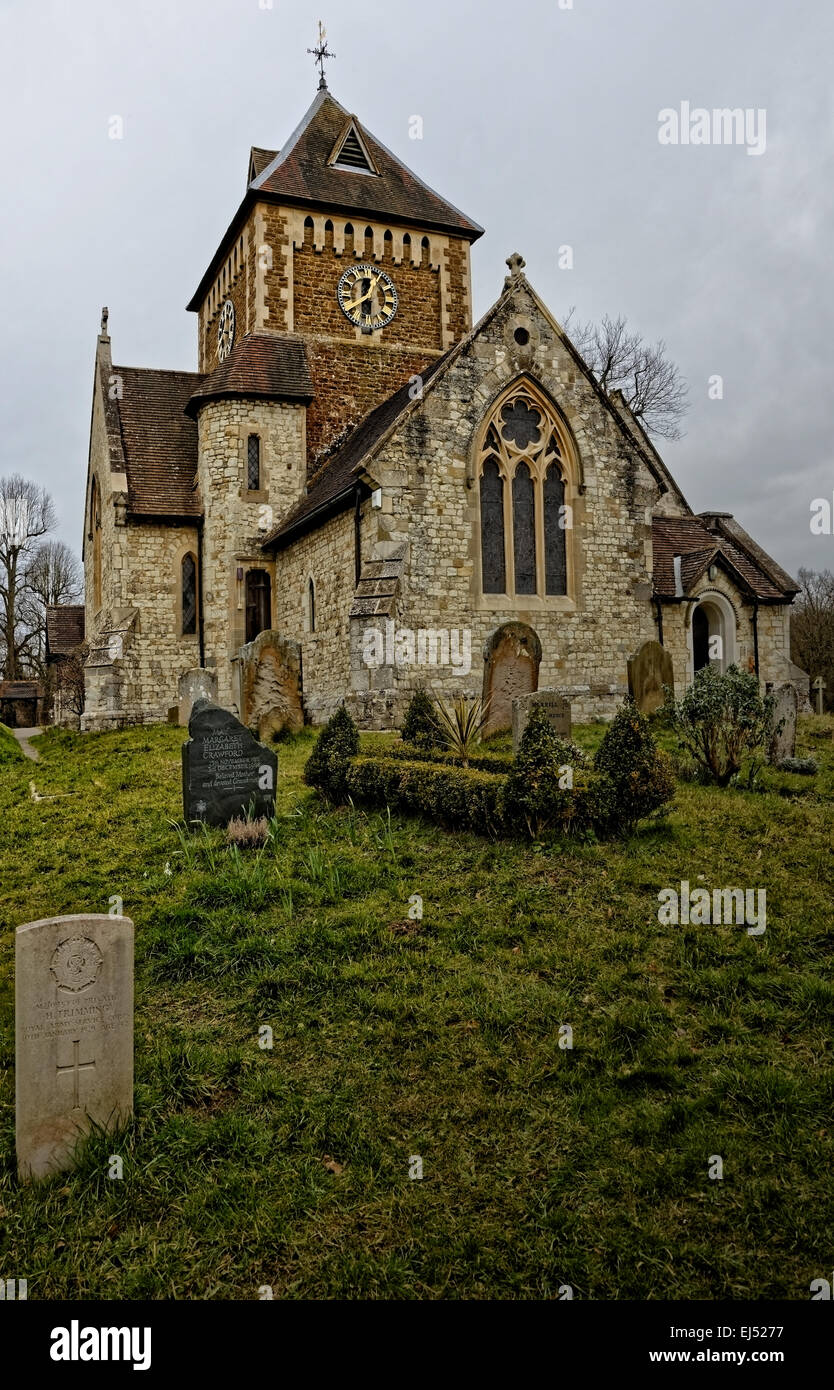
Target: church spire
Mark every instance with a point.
(321, 55)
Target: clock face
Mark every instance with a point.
(368, 297)
(226, 331)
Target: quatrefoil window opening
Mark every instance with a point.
(522, 503)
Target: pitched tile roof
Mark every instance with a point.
(159, 441)
(260, 364)
(20, 690)
(699, 546)
(334, 482)
(301, 172)
(300, 175)
(64, 628)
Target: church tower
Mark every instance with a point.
(338, 246)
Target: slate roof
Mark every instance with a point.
(300, 175)
(715, 538)
(334, 482)
(64, 628)
(159, 441)
(261, 364)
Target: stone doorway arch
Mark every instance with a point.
(712, 634)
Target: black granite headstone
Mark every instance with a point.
(226, 773)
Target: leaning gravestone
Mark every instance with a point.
(73, 1035)
(555, 706)
(648, 672)
(226, 773)
(783, 741)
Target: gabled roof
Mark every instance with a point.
(260, 365)
(300, 174)
(64, 628)
(158, 441)
(698, 546)
(334, 482)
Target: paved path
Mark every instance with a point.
(23, 736)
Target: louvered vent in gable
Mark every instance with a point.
(352, 153)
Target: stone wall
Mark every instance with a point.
(238, 519)
(326, 556)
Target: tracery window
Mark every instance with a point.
(525, 517)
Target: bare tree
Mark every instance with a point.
(26, 514)
(620, 360)
(812, 628)
(52, 576)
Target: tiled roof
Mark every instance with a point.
(261, 364)
(301, 173)
(159, 441)
(258, 160)
(699, 546)
(335, 480)
(64, 628)
(20, 690)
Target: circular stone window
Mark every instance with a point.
(522, 337)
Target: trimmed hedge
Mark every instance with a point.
(420, 726)
(481, 762)
(500, 796)
(461, 798)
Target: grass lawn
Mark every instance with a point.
(392, 1039)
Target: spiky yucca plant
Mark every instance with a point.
(460, 726)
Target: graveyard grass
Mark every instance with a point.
(542, 1167)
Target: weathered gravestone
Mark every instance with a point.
(195, 685)
(270, 685)
(73, 1035)
(648, 672)
(783, 741)
(226, 773)
(512, 657)
(555, 706)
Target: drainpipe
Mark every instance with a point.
(357, 537)
(659, 612)
(200, 594)
(756, 635)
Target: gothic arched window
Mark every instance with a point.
(525, 481)
(493, 562)
(188, 589)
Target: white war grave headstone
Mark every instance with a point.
(73, 1035)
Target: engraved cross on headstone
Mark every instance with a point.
(76, 1067)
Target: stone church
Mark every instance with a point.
(358, 493)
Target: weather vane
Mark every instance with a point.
(321, 54)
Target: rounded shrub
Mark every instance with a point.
(327, 766)
(639, 771)
(420, 726)
(538, 795)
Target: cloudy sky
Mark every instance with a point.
(540, 120)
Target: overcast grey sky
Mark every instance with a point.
(541, 122)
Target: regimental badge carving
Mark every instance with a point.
(75, 963)
(226, 331)
(368, 297)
